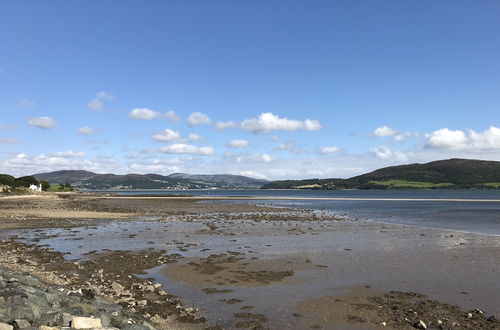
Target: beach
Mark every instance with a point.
(196, 263)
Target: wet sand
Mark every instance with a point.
(244, 266)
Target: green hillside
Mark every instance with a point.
(442, 174)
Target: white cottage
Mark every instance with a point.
(35, 187)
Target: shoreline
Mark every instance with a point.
(202, 224)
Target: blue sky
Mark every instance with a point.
(302, 88)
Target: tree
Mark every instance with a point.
(45, 185)
(25, 181)
(67, 186)
(61, 186)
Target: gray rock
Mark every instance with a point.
(5, 326)
(22, 323)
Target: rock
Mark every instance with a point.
(143, 302)
(439, 322)
(5, 326)
(22, 323)
(117, 287)
(469, 315)
(85, 322)
(46, 327)
(420, 325)
(384, 324)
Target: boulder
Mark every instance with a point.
(85, 322)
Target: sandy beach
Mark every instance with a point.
(225, 266)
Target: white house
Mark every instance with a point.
(35, 187)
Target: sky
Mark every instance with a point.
(268, 89)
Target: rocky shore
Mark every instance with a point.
(28, 303)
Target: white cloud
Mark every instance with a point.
(327, 150)
(27, 104)
(68, 154)
(289, 146)
(266, 158)
(267, 122)
(223, 125)
(143, 114)
(105, 96)
(42, 122)
(167, 135)
(172, 116)
(148, 114)
(181, 148)
(194, 138)
(197, 118)
(383, 131)
(95, 104)
(238, 143)
(459, 140)
(86, 130)
(381, 152)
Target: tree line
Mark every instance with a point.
(26, 181)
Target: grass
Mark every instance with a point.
(410, 184)
(492, 184)
(57, 188)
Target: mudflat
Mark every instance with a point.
(189, 263)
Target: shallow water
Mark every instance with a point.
(469, 216)
(439, 263)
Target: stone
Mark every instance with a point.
(469, 315)
(143, 302)
(85, 322)
(22, 323)
(420, 325)
(46, 327)
(5, 326)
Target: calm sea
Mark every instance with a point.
(473, 215)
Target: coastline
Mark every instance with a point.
(411, 258)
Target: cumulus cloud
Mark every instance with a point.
(86, 130)
(197, 118)
(95, 104)
(383, 131)
(68, 154)
(386, 153)
(238, 143)
(464, 140)
(246, 158)
(143, 114)
(267, 122)
(172, 116)
(289, 146)
(167, 135)
(148, 114)
(397, 136)
(327, 150)
(105, 96)
(181, 148)
(194, 138)
(42, 122)
(223, 125)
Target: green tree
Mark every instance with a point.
(45, 185)
(25, 181)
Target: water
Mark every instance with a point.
(430, 208)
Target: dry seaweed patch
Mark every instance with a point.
(395, 309)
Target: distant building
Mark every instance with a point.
(35, 187)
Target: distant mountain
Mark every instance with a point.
(443, 174)
(225, 179)
(90, 180)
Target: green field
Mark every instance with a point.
(410, 184)
(492, 184)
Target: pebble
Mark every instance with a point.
(5, 326)
(420, 325)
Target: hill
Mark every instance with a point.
(443, 174)
(90, 180)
